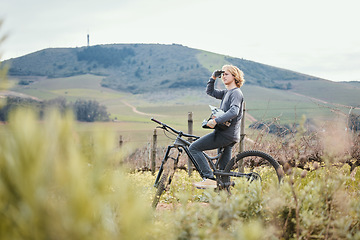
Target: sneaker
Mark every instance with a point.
(206, 183)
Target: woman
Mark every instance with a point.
(231, 104)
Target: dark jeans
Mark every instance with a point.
(209, 142)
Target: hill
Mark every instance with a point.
(169, 81)
(140, 68)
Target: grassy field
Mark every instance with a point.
(211, 60)
(332, 92)
(264, 103)
(173, 106)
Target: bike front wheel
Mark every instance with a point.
(164, 182)
(251, 160)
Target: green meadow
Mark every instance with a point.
(131, 113)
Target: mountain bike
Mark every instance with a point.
(224, 178)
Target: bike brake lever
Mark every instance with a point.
(162, 127)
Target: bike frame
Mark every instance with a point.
(181, 143)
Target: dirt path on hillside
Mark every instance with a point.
(312, 98)
(133, 108)
(324, 102)
(7, 93)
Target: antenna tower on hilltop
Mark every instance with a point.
(88, 40)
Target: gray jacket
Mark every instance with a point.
(232, 105)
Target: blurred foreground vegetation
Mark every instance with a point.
(58, 183)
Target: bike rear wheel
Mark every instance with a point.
(253, 159)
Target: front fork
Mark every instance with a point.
(163, 162)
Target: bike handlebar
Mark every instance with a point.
(166, 127)
(158, 122)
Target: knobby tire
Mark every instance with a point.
(253, 153)
(163, 182)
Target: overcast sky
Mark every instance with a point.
(316, 37)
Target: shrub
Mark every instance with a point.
(58, 184)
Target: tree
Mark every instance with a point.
(87, 111)
(58, 103)
(354, 122)
(90, 111)
(105, 56)
(17, 102)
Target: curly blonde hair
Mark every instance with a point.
(237, 73)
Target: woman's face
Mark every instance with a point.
(227, 77)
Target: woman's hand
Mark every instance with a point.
(217, 73)
(211, 123)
